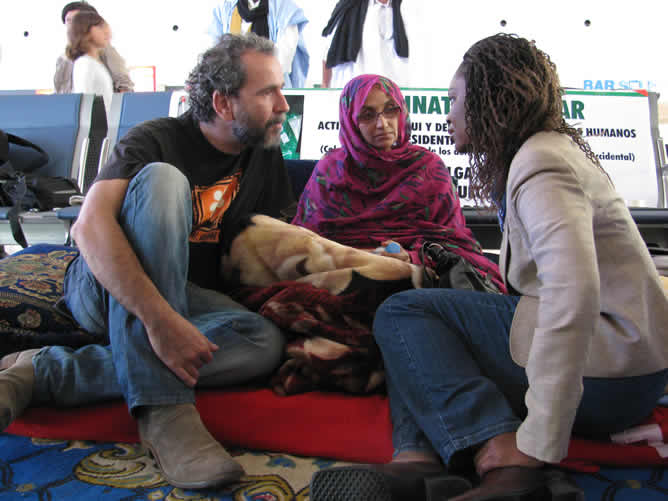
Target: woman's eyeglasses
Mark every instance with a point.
(368, 116)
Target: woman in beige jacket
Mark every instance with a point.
(580, 345)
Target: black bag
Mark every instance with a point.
(42, 192)
(447, 270)
(23, 190)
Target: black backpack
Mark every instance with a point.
(24, 190)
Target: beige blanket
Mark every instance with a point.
(270, 251)
(323, 295)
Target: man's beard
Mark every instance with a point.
(249, 134)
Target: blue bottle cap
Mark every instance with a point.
(393, 248)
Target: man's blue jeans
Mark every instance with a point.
(452, 383)
(156, 217)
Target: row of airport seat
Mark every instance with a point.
(76, 132)
(78, 136)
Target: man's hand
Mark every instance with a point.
(181, 347)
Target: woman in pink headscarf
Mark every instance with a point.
(378, 187)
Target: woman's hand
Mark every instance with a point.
(401, 255)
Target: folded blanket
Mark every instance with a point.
(323, 294)
(654, 431)
(330, 344)
(268, 250)
(642, 445)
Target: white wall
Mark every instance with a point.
(623, 42)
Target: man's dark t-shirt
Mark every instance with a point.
(225, 188)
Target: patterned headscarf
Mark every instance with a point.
(361, 196)
(352, 100)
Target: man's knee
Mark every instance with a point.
(165, 183)
(162, 178)
(270, 345)
(157, 203)
(255, 344)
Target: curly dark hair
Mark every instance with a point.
(512, 92)
(220, 68)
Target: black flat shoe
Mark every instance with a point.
(511, 483)
(413, 481)
(562, 487)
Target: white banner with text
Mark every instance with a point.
(616, 124)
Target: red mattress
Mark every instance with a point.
(318, 424)
(330, 425)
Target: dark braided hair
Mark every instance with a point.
(512, 92)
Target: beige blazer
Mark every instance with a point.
(592, 302)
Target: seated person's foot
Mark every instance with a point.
(184, 450)
(17, 377)
(396, 481)
(510, 483)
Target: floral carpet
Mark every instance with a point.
(59, 470)
(53, 470)
(37, 469)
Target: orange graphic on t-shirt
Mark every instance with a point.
(209, 206)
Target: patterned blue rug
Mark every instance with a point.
(51, 470)
(35, 469)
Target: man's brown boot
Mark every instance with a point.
(186, 453)
(16, 383)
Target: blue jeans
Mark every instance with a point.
(156, 217)
(452, 383)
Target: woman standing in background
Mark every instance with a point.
(88, 35)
